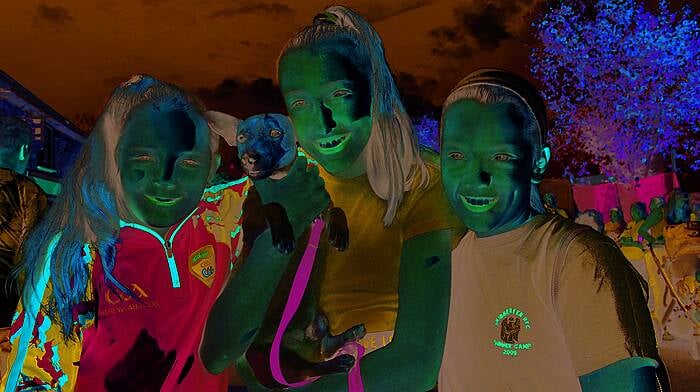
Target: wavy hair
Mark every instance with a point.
(91, 204)
(393, 158)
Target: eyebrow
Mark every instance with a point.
(332, 83)
(507, 145)
(135, 149)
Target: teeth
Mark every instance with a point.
(479, 201)
(163, 200)
(332, 143)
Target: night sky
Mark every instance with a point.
(72, 53)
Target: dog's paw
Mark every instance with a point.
(338, 233)
(340, 364)
(283, 242)
(282, 237)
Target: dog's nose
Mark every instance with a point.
(248, 158)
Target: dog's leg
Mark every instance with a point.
(280, 227)
(338, 233)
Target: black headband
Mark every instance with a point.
(517, 85)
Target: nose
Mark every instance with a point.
(169, 169)
(249, 159)
(485, 178)
(475, 175)
(327, 118)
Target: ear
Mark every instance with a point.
(543, 161)
(223, 125)
(541, 165)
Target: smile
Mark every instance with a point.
(162, 201)
(333, 144)
(478, 204)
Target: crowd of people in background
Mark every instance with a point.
(662, 243)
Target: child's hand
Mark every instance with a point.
(301, 192)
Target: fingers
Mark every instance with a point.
(298, 168)
(321, 323)
(334, 343)
(313, 170)
(354, 333)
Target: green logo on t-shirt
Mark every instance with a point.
(511, 321)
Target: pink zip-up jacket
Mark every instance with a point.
(148, 342)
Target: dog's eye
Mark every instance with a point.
(241, 138)
(275, 133)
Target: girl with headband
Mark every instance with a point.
(538, 303)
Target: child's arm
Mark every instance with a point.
(605, 319)
(411, 362)
(632, 374)
(240, 309)
(652, 220)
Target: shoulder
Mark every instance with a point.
(234, 189)
(431, 160)
(577, 240)
(565, 241)
(27, 185)
(596, 256)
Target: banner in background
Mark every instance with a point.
(603, 197)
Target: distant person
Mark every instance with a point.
(550, 206)
(631, 236)
(616, 226)
(653, 227)
(591, 218)
(21, 205)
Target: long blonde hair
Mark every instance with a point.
(393, 158)
(89, 208)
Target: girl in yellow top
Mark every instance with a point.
(348, 116)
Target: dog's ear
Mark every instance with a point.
(224, 125)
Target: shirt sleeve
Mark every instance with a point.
(602, 305)
(34, 203)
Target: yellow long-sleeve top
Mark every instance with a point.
(360, 285)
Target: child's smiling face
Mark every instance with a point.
(487, 166)
(328, 100)
(164, 163)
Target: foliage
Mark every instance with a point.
(622, 83)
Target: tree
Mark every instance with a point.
(427, 130)
(622, 83)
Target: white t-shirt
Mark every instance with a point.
(532, 309)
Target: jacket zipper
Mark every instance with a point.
(167, 246)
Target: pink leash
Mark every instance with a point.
(301, 280)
